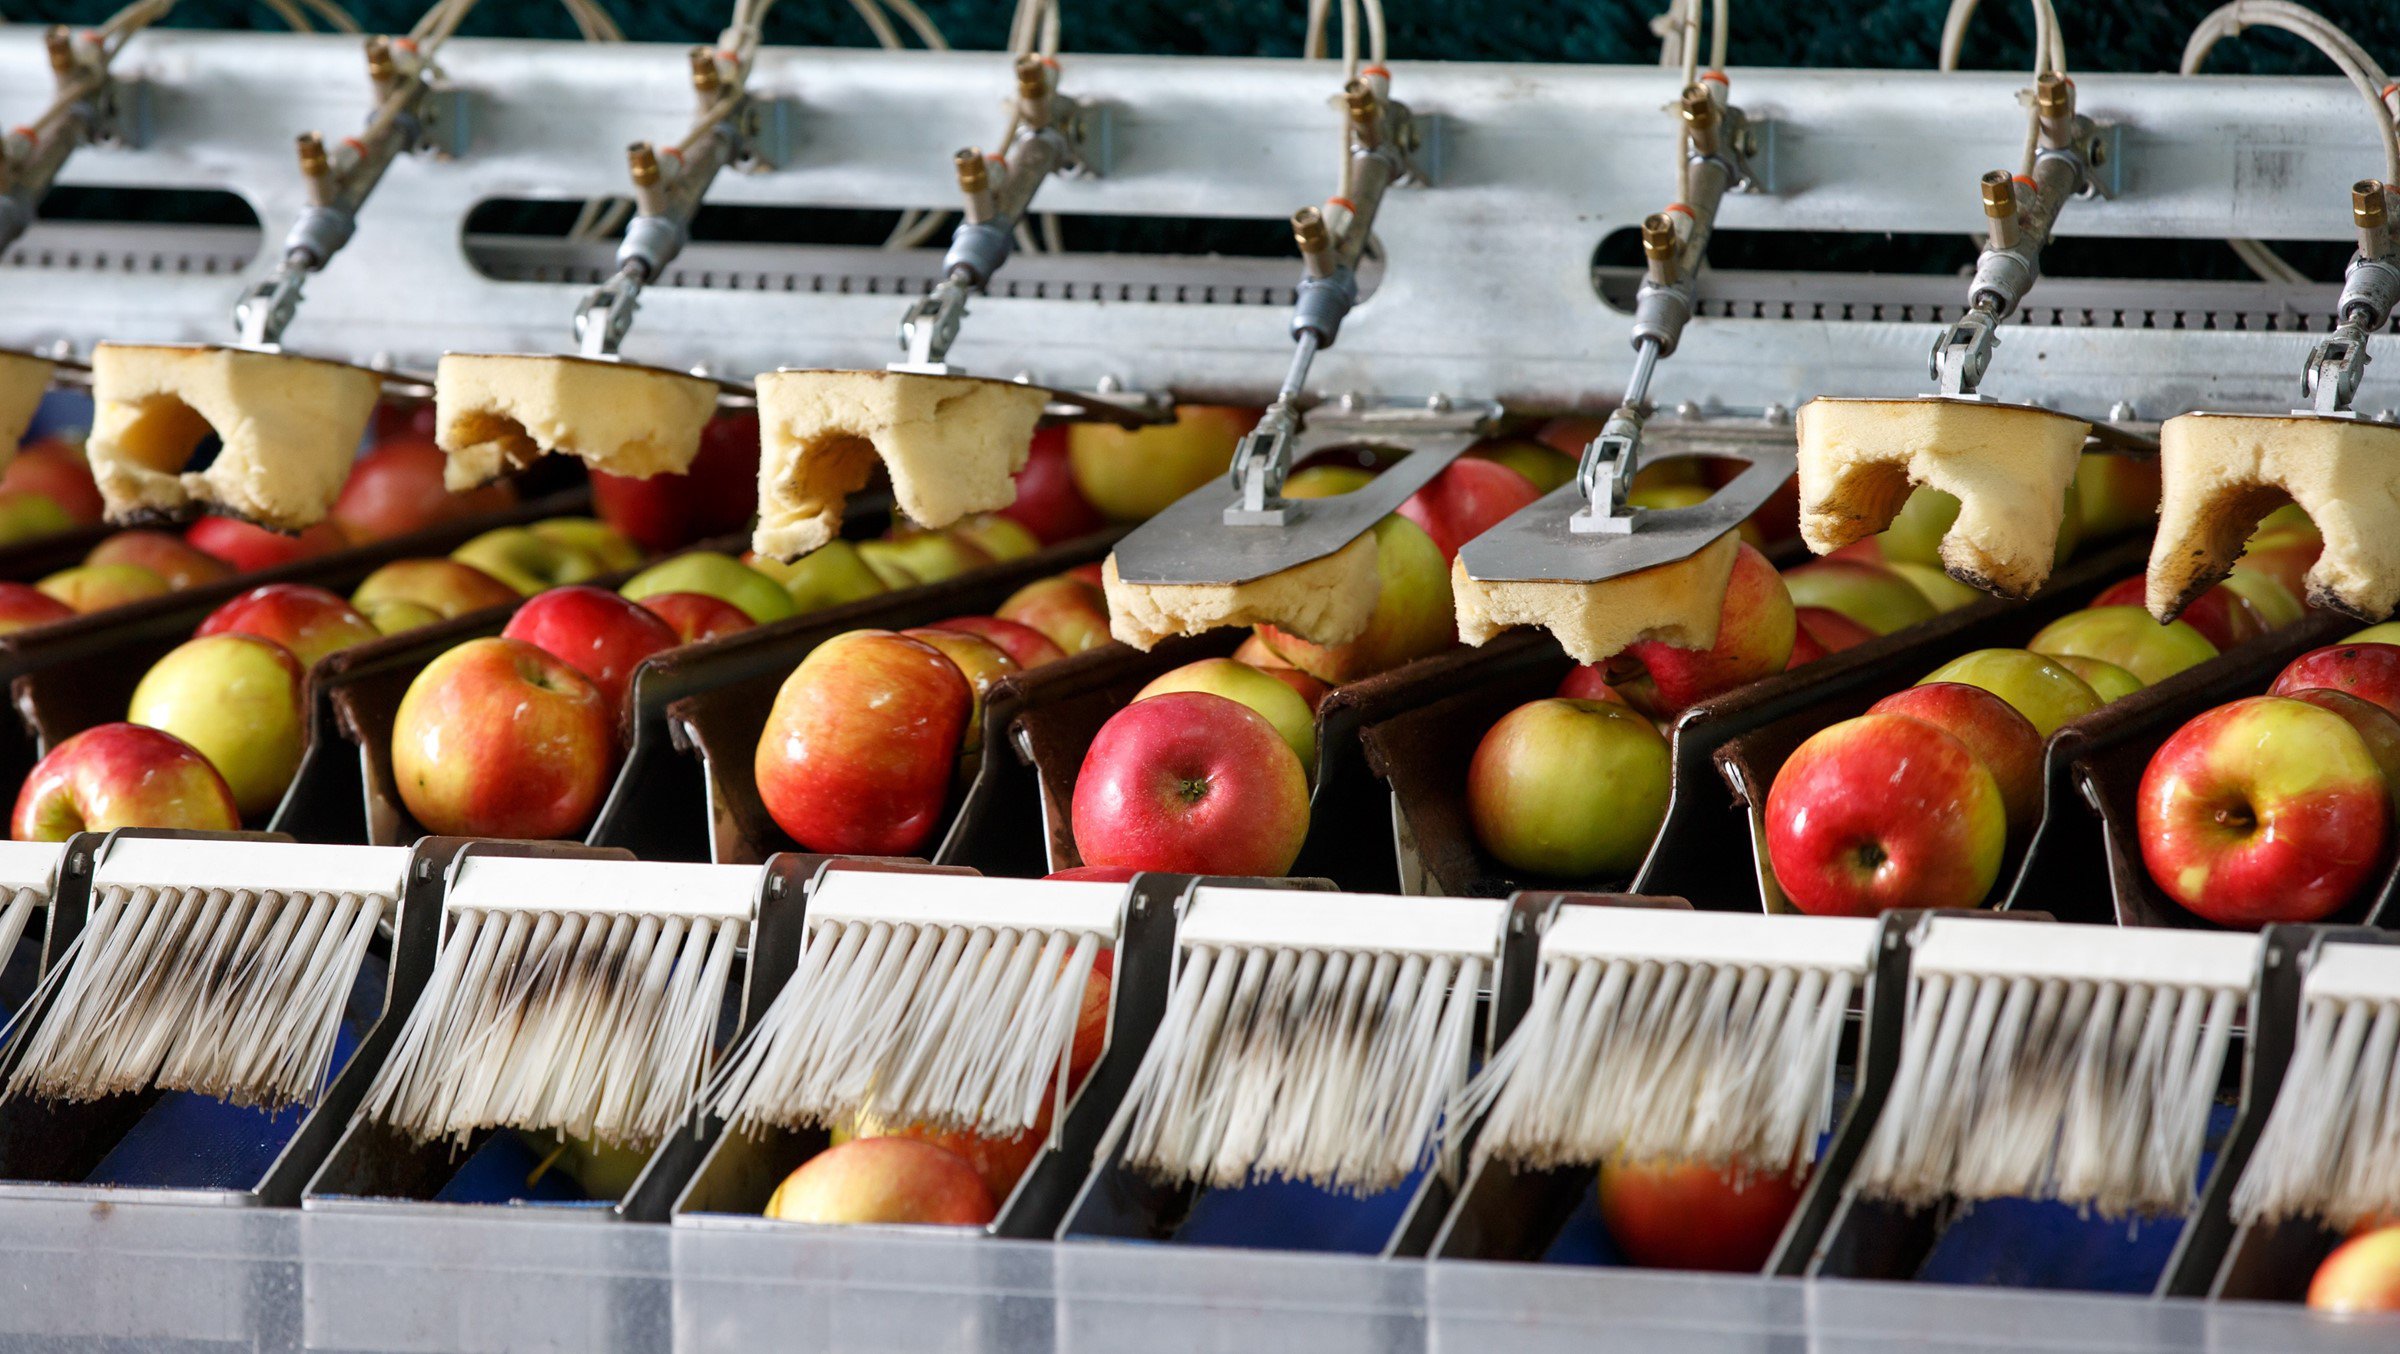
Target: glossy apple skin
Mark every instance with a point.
(1587, 682)
(22, 605)
(1467, 499)
(1000, 537)
(396, 488)
(928, 556)
(1544, 464)
(1832, 630)
(527, 561)
(827, 576)
(1915, 535)
(2264, 810)
(1688, 1216)
(2128, 637)
(884, 1180)
(998, 1162)
(236, 698)
(1047, 503)
(1805, 650)
(2042, 689)
(1095, 874)
(718, 494)
(1279, 704)
(1569, 788)
(1413, 615)
(394, 617)
(309, 622)
(1073, 614)
(498, 739)
(1327, 481)
(1946, 593)
(2369, 671)
(1257, 653)
(56, 469)
(1868, 594)
(980, 661)
(2377, 727)
(1028, 646)
(2362, 1275)
(613, 548)
(696, 616)
(594, 631)
(443, 586)
(2223, 617)
(2285, 559)
(2116, 494)
(2107, 681)
(249, 548)
(1883, 812)
(121, 775)
(1130, 474)
(1194, 783)
(97, 587)
(2276, 605)
(162, 553)
(1755, 628)
(858, 750)
(719, 576)
(2003, 740)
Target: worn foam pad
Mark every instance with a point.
(2007, 465)
(951, 444)
(497, 412)
(24, 379)
(1328, 600)
(290, 426)
(1676, 604)
(2221, 473)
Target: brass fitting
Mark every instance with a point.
(2000, 208)
(380, 65)
(1365, 113)
(61, 47)
(974, 172)
(1699, 113)
(1659, 246)
(2054, 101)
(1315, 240)
(1033, 78)
(2369, 211)
(314, 163)
(706, 78)
(643, 162)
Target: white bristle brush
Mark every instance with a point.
(574, 995)
(1669, 1035)
(212, 966)
(28, 881)
(2331, 1146)
(2052, 1062)
(923, 998)
(1309, 1036)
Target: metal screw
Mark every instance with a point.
(1775, 415)
(643, 161)
(1109, 385)
(1688, 409)
(1351, 401)
(1437, 403)
(2122, 412)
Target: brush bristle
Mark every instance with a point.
(594, 1025)
(957, 1026)
(2331, 1148)
(231, 993)
(1331, 1067)
(2086, 1092)
(15, 916)
(1638, 1060)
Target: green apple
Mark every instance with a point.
(1915, 536)
(928, 556)
(2115, 494)
(720, 576)
(390, 618)
(527, 562)
(2128, 637)
(97, 587)
(1413, 615)
(1574, 789)
(2106, 679)
(1282, 706)
(1870, 594)
(1946, 593)
(2274, 603)
(1131, 473)
(2386, 633)
(596, 538)
(830, 575)
(1325, 481)
(2043, 689)
(997, 536)
(1546, 466)
(25, 515)
(237, 699)
(2289, 520)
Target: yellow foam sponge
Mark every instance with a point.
(2221, 473)
(1328, 600)
(496, 412)
(24, 379)
(1677, 604)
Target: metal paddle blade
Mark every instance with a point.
(1125, 409)
(1538, 544)
(1191, 542)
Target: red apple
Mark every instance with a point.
(1680, 1215)
(1755, 627)
(1028, 646)
(1569, 788)
(498, 739)
(2265, 810)
(1882, 812)
(2368, 671)
(1413, 615)
(1587, 682)
(2116, 493)
(858, 750)
(56, 469)
(1832, 630)
(999, 1162)
(1071, 612)
(1130, 474)
(1805, 650)
(310, 622)
(396, 488)
(1098, 874)
(1048, 504)
(248, 547)
(162, 553)
(236, 698)
(2376, 726)
(980, 661)
(1088, 572)
(2002, 739)
(2362, 1275)
(22, 606)
(1194, 783)
(1255, 651)
(98, 587)
(595, 632)
(443, 586)
(718, 494)
(2222, 616)
(696, 616)
(1467, 499)
(884, 1180)
(121, 775)
(1235, 680)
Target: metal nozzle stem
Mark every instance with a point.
(61, 48)
(1366, 124)
(380, 65)
(974, 172)
(2000, 208)
(1659, 247)
(2369, 211)
(1033, 79)
(314, 163)
(642, 161)
(706, 78)
(1699, 113)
